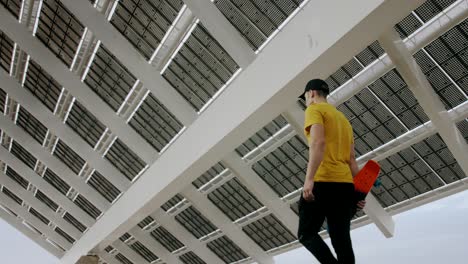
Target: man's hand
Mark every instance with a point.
(361, 204)
(307, 190)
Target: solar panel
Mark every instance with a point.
(123, 259)
(200, 68)
(148, 220)
(46, 200)
(269, 233)
(64, 153)
(22, 154)
(431, 8)
(13, 196)
(144, 23)
(39, 216)
(73, 221)
(54, 180)
(125, 160)
(59, 30)
(155, 123)
(14, 6)
(6, 51)
(284, 169)
(195, 222)
(166, 239)
(16, 177)
(103, 186)
(64, 235)
(31, 125)
(262, 135)
(109, 78)
(191, 258)
(370, 53)
(87, 206)
(3, 101)
(42, 85)
(463, 127)
(143, 251)
(408, 25)
(226, 250)
(234, 199)
(173, 201)
(208, 175)
(85, 124)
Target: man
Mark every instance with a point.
(328, 191)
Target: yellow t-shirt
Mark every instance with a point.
(338, 140)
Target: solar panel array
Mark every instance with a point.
(198, 70)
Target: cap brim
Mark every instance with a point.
(302, 96)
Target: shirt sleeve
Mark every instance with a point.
(312, 117)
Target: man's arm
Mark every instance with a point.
(316, 153)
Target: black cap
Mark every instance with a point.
(315, 84)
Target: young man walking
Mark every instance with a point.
(328, 191)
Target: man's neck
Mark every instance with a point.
(320, 100)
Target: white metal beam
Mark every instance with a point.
(128, 252)
(42, 55)
(219, 219)
(45, 187)
(222, 30)
(132, 59)
(43, 209)
(427, 98)
(56, 165)
(31, 219)
(56, 126)
(193, 244)
(276, 87)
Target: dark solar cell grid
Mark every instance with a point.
(122, 259)
(195, 222)
(124, 159)
(3, 99)
(87, 206)
(17, 178)
(226, 250)
(85, 124)
(143, 251)
(191, 258)
(12, 195)
(31, 125)
(200, 68)
(64, 235)
(39, 216)
(343, 74)
(463, 127)
(431, 8)
(403, 176)
(155, 123)
(59, 30)
(6, 51)
(125, 237)
(408, 25)
(54, 180)
(148, 220)
(284, 169)
(166, 239)
(208, 175)
(370, 53)
(22, 154)
(144, 23)
(73, 221)
(42, 85)
(372, 123)
(262, 135)
(269, 233)
(234, 199)
(69, 157)
(109, 78)
(46, 200)
(173, 201)
(103, 186)
(14, 6)
(394, 92)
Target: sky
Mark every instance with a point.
(431, 234)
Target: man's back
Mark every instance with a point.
(338, 139)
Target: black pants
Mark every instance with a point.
(336, 203)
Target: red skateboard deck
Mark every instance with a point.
(365, 179)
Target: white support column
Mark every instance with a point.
(133, 60)
(193, 244)
(219, 219)
(222, 30)
(427, 98)
(56, 165)
(154, 246)
(128, 252)
(42, 55)
(262, 191)
(43, 209)
(13, 221)
(45, 187)
(57, 127)
(277, 86)
(31, 219)
(374, 210)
